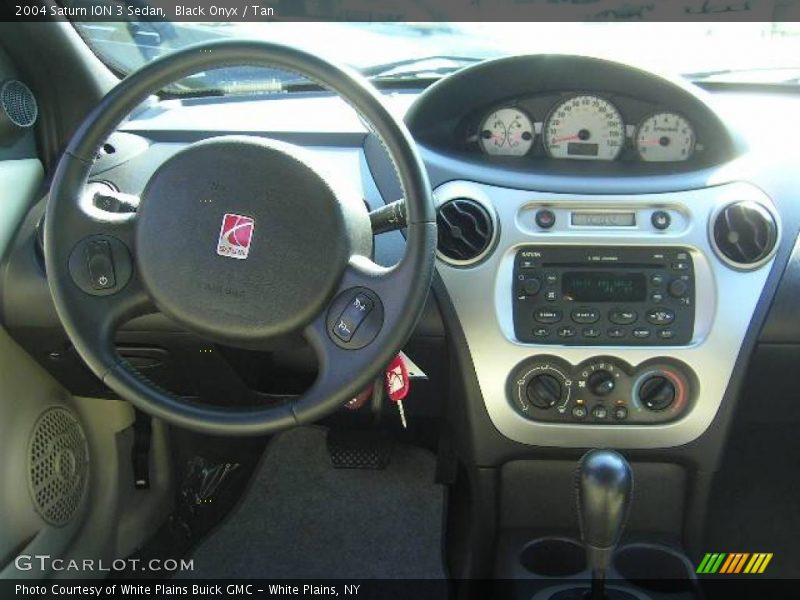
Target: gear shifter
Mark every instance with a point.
(605, 482)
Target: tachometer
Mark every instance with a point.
(506, 132)
(665, 137)
(584, 127)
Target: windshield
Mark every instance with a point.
(743, 52)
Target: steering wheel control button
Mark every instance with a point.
(355, 318)
(622, 317)
(548, 316)
(660, 316)
(661, 220)
(352, 317)
(600, 412)
(586, 316)
(545, 218)
(100, 264)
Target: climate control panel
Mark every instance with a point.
(602, 390)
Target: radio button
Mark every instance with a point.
(641, 333)
(550, 278)
(531, 286)
(566, 331)
(616, 332)
(680, 266)
(547, 315)
(660, 316)
(541, 332)
(619, 316)
(591, 332)
(551, 296)
(678, 288)
(657, 297)
(545, 218)
(657, 279)
(666, 334)
(660, 219)
(584, 316)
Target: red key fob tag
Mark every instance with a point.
(398, 383)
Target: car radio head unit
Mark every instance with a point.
(642, 296)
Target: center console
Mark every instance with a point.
(605, 321)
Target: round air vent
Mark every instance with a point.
(466, 231)
(58, 465)
(18, 110)
(744, 234)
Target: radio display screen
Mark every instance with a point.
(603, 286)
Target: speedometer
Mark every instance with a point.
(584, 127)
(506, 132)
(665, 137)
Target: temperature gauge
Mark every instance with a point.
(506, 132)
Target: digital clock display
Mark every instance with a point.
(603, 286)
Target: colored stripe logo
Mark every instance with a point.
(734, 563)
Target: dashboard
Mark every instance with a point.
(588, 291)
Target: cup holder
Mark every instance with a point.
(553, 557)
(654, 568)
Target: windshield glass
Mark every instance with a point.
(743, 52)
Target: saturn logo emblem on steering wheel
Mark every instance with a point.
(235, 236)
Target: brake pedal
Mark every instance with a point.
(359, 449)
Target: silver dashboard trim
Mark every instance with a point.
(481, 295)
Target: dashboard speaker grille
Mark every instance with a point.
(744, 233)
(58, 465)
(19, 103)
(466, 230)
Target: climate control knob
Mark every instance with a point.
(656, 392)
(543, 391)
(601, 383)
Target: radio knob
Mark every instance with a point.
(656, 393)
(543, 391)
(678, 288)
(601, 383)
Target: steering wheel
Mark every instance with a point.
(240, 240)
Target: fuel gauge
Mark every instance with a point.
(506, 132)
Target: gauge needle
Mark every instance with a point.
(654, 142)
(565, 139)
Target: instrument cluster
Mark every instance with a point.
(584, 126)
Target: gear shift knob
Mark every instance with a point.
(605, 482)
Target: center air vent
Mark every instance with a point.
(466, 231)
(744, 234)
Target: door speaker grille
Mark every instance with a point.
(18, 103)
(58, 466)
